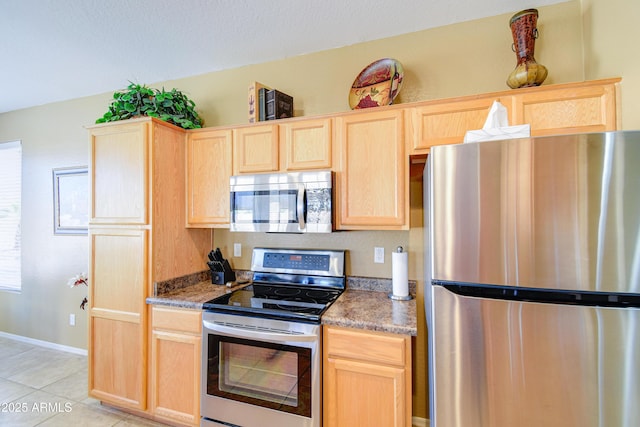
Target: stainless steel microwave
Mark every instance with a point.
(293, 202)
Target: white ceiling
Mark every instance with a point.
(54, 50)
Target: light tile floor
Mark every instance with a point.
(44, 387)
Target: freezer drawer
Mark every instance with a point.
(496, 363)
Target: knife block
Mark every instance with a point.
(222, 277)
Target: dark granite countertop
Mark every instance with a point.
(192, 290)
(372, 310)
(364, 305)
(192, 296)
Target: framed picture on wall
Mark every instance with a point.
(70, 200)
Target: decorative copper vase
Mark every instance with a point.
(527, 72)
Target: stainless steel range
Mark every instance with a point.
(261, 344)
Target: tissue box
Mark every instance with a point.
(493, 134)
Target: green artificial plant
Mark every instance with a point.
(139, 100)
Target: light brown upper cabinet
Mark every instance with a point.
(590, 106)
(446, 122)
(372, 171)
(570, 108)
(255, 149)
(280, 147)
(209, 164)
(119, 173)
(306, 144)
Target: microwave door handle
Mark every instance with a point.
(300, 207)
(254, 334)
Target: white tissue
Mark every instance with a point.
(400, 273)
(496, 127)
(497, 116)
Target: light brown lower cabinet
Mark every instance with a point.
(175, 365)
(117, 317)
(366, 378)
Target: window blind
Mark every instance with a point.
(10, 207)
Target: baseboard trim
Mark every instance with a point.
(46, 344)
(420, 422)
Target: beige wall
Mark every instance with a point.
(52, 137)
(461, 59)
(611, 32)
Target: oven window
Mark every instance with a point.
(271, 375)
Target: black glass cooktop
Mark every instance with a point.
(302, 303)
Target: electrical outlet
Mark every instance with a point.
(72, 319)
(237, 249)
(378, 255)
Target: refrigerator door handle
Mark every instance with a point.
(544, 295)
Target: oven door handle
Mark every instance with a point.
(258, 334)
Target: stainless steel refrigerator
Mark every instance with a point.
(532, 289)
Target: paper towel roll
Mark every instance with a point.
(398, 313)
(400, 273)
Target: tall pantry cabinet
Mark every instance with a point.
(137, 237)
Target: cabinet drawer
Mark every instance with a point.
(377, 347)
(176, 320)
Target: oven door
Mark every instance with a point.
(259, 372)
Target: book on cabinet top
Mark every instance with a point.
(279, 105)
(254, 106)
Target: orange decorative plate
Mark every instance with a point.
(378, 84)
